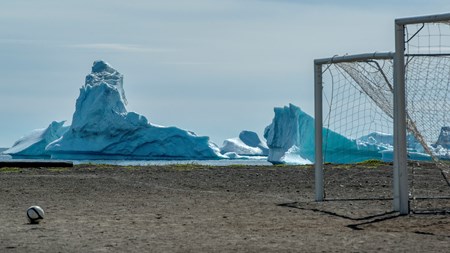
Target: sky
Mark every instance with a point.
(214, 67)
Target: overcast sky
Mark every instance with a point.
(214, 67)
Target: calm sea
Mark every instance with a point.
(259, 160)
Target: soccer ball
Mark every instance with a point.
(35, 214)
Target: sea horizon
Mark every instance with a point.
(256, 161)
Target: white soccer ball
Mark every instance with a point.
(35, 214)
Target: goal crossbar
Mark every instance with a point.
(355, 57)
(445, 17)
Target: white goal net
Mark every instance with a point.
(359, 104)
(357, 118)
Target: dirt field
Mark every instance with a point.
(192, 208)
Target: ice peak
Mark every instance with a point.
(102, 66)
(103, 73)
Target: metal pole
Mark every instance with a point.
(355, 57)
(395, 180)
(400, 159)
(318, 160)
(424, 19)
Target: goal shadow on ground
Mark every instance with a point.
(361, 211)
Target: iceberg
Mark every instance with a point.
(234, 156)
(292, 156)
(444, 138)
(290, 138)
(440, 149)
(248, 144)
(33, 144)
(378, 138)
(386, 142)
(102, 128)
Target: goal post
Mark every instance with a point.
(318, 140)
(401, 189)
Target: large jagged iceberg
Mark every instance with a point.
(290, 138)
(102, 128)
(33, 144)
(248, 143)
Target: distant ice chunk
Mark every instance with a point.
(292, 156)
(33, 144)
(386, 141)
(248, 143)
(444, 138)
(377, 138)
(439, 149)
(292, 133)
(234, 156)
(290, 138)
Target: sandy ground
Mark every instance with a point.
(192, 208)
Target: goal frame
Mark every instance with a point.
(318, 110)
(401, 193)
(400, 170)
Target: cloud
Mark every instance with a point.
(117, 47)
(188, 63)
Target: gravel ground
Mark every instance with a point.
(193, 208)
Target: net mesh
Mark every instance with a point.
(427, 79)
(358, 106)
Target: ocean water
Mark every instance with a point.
(257, 160)
(5, 157)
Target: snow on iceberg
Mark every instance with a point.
(248, 143)
(291, 134)
(33, 145)
(292, 156)
(377, 138)
(103, 129)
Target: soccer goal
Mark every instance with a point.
(391, 106)
(353, 116)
